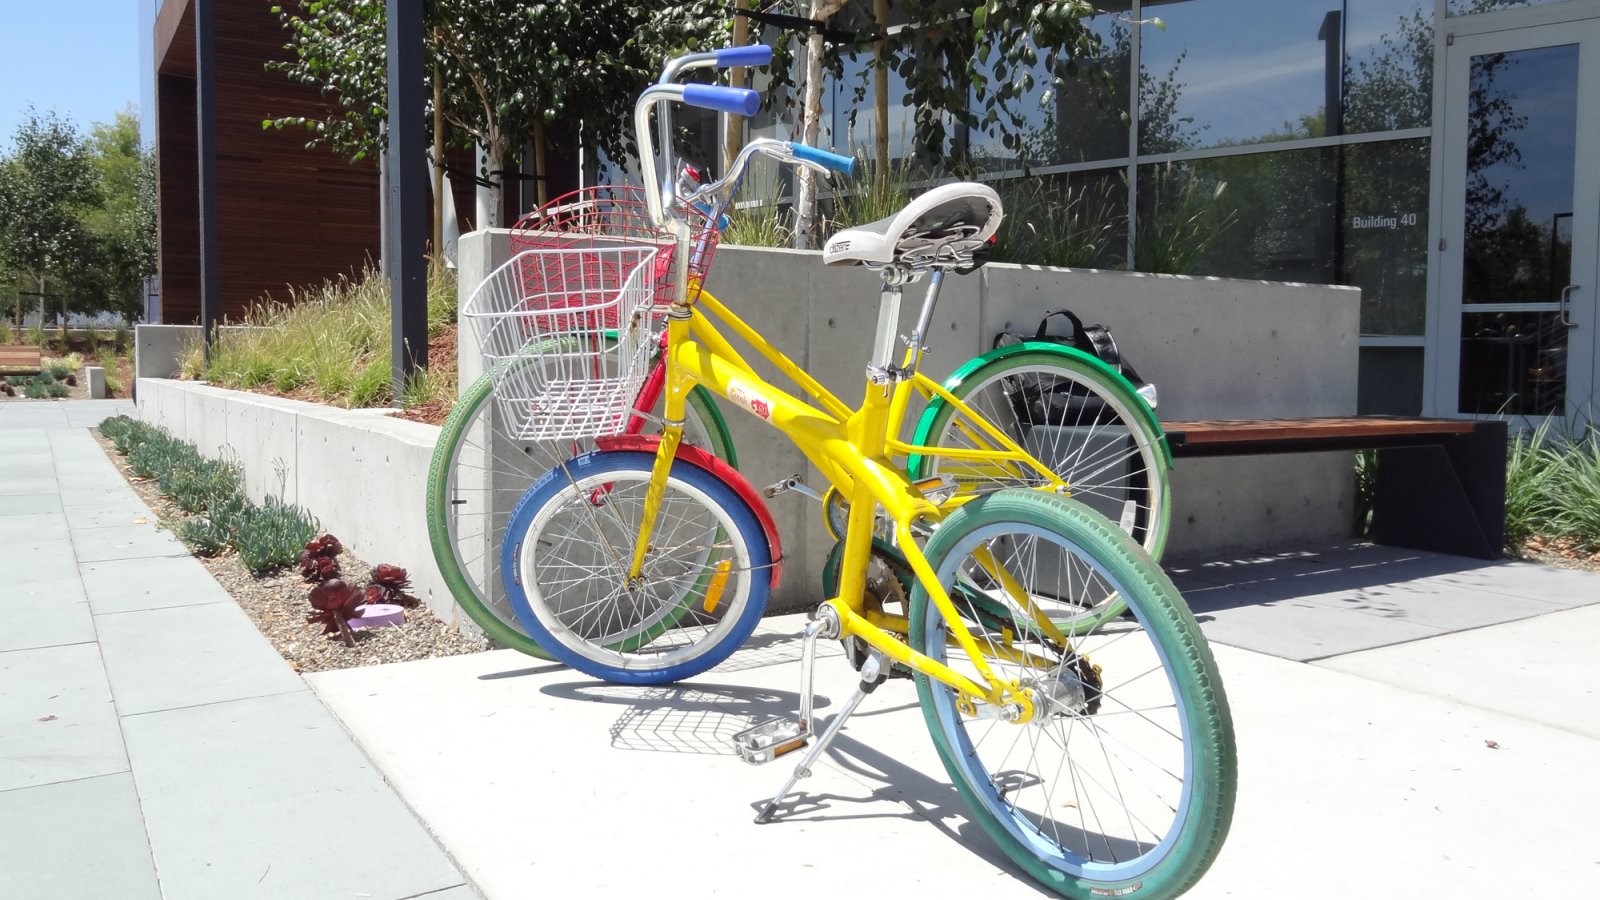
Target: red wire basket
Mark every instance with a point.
(616, 215)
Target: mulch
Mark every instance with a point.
(277, 604)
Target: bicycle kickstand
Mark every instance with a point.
(871, 676)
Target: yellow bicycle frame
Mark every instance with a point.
(853, 449)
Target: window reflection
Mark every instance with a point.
(1382, 233)
(1522, 129)
(1388, 68)
(1077, 220)
(1234, 72)
(1468, 7)
(1513, 363)
(1261, 215)
(1065, 117)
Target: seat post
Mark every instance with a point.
(880, 366)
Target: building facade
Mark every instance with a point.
(1439, 154)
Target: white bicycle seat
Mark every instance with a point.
(960, 217)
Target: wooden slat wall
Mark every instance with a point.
(287, 215)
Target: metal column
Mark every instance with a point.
(407, 209)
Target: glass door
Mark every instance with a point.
(1521, 214)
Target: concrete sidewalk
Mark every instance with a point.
(1367, 773)
(152, 743)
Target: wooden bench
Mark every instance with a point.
(21, 360)
(1440, 483)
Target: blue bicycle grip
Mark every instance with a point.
(844, 165)
(752, 55)
(739, 101)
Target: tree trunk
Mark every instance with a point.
(806, 196)
(543, 184)
(880, 12)
(733, 138)
(437, 250)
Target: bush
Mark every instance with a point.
(333, 341)
(194, 482)
(272, 536)
(1574, 493)
(34, 391)
(57, 390)
(7, 336)
(204, 536)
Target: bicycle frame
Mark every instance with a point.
(853, 450)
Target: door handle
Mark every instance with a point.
(1566, 306)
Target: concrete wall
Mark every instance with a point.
(158, 349)
(362, 473)
(1216, 348)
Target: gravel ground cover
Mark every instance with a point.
(277, 604)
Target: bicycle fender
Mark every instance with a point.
(702, 459)
(925, 424)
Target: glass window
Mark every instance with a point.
(1522, 129)
(1468, 7)
(1260, 215)
(1513, 363)
(1390, 381)
(1388, 65)
(1234, 72)
(1078, 220)
(1382, 233)
(1067, 118)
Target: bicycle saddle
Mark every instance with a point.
(950, 219)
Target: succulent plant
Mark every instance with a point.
(391, 583)
(334, 602)
(319, 561)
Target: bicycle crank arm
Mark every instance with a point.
(792, 483)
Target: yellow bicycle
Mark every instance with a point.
(1100, 759)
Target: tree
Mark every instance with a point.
(46, 184)
(511, 73)
(120, 246)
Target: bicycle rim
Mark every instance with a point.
(1095, 440)
(478, 474)
(704, 581)
(1122, 781)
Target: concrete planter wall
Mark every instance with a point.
(362, 473)
(1216, 348)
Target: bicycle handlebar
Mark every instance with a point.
(740, 101)
(844, 165)
(661, 190)
(752, 55)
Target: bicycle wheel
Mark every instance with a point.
(1122, 778)
(478, 474)
(569, 546)
(1093, 432)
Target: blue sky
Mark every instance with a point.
(79, 57)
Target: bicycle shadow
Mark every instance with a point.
(694, 717)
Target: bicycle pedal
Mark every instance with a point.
(771, 739)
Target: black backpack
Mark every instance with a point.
(1054, 401)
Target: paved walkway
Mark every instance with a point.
(152, 744)
(1366, 773)
(1409, 724)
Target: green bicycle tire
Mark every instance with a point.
(507, 632)
(1129, 409)
(1209, 753)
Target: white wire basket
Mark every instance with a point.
(567, 334)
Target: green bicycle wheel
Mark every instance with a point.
(1095, 432)
(1117, 776)
(476, 478)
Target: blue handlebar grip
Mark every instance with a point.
(752, 55)
(739, 101)
(844, 165)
